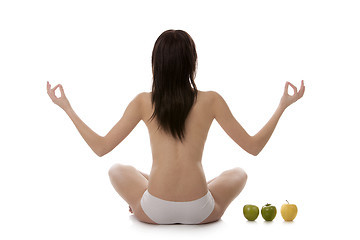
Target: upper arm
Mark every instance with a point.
(230, 125)
(131, 117)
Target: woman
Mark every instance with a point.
(178, 118)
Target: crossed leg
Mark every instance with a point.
(131, 185)
(225, 188)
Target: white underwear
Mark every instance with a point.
(169, 212)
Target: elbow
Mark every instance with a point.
(100, 154)
(101, 149)
(254, 148)
(252, 151)
(255, 153)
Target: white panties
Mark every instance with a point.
(169, 212)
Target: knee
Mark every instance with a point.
(118, 170)
(240, 174)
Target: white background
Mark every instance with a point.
(53, 186)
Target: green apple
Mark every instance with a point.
(251, 212)
(268, 212)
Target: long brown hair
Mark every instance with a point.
(174, 92)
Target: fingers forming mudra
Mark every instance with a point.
(288, 99)
(61, 101)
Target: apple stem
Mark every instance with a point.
(287, 202)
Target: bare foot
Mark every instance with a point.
(130, 210)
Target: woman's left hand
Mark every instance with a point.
(62, 101)
(287, 99)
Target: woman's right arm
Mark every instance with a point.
(252, 144)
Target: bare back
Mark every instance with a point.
(177, 173)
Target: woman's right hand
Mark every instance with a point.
(287, 99)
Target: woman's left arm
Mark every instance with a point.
(100, 145)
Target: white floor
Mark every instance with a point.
(234, 226)
(97, 220)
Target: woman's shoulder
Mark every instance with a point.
(141, 99)
(210, 96)
(209, 93)
(143, 96)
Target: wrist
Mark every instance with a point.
(281, 108)
(68, 109)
